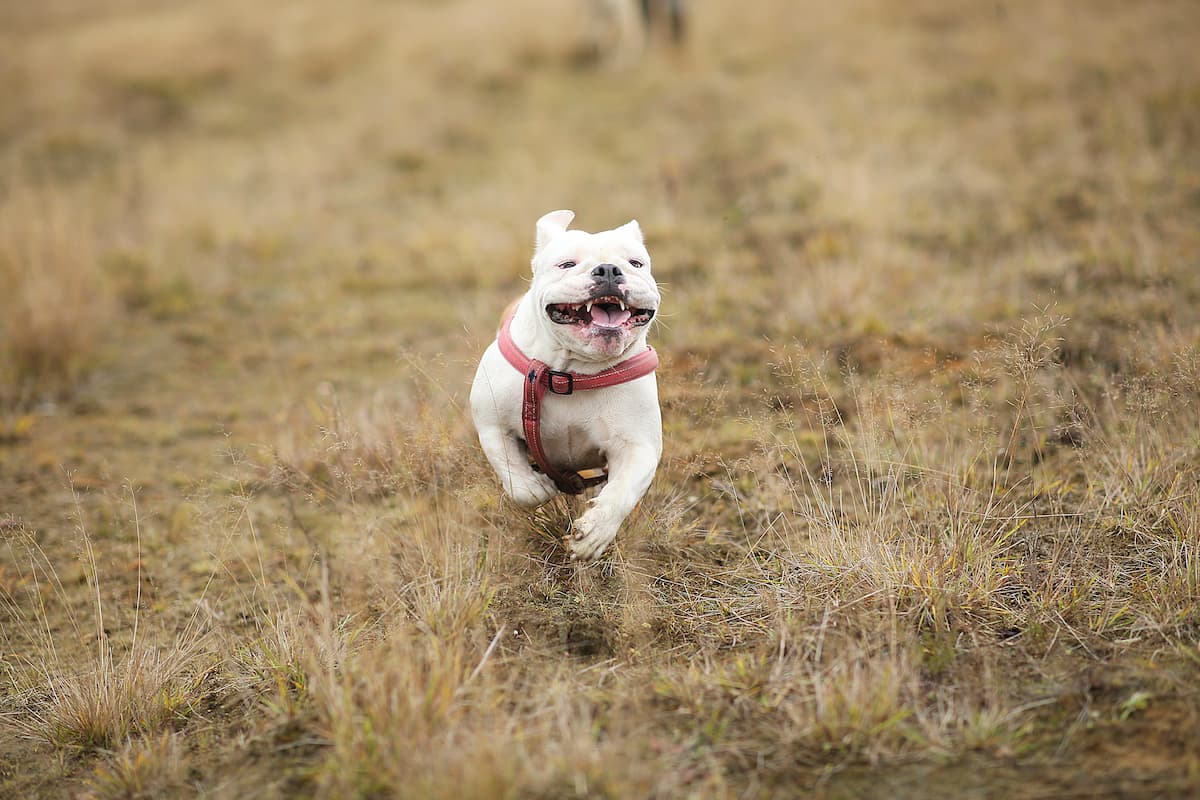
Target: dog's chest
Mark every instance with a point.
(575, 431)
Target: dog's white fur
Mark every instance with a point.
(618, 426)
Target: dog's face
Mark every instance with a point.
(593, 291)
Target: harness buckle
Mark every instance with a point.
(555, 380)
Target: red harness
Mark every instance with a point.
(539, 379)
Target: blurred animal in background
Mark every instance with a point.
(622, 28)
(671, 13)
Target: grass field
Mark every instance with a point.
(928, 520)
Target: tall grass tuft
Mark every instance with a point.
(116, 697)
(87, 692)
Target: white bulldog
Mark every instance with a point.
(588, 310)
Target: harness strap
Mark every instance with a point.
(540, 379)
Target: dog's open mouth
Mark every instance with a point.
(603, 312)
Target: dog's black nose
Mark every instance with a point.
(608, 272)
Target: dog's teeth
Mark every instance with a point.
(589, 307)
(622, 302)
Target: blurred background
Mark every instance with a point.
(334, 184)
(250, 253)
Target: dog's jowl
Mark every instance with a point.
(566, 397)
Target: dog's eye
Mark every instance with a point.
(633, 262)
(566, 265)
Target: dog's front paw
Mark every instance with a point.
(592, 533)
(531, 492)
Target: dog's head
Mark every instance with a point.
(594, 292)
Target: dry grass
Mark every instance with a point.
(80, 700)
(927, 523)
(115, 701)
(57, 301)
(146, 768)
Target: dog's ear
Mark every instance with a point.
(632, 229)
(551, 225)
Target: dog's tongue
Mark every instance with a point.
(609, 319)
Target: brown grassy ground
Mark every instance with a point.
(928, 520)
